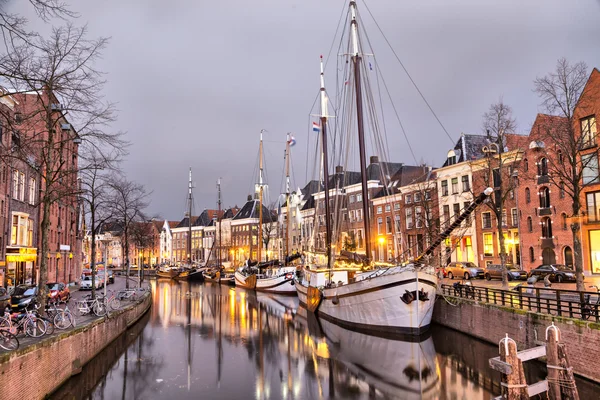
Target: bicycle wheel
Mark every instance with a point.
(64, 320)
(4, 323)
(99, 309)
(8, 341)
(49, 325)
(114, 304)
(35, 327)
(83, 308)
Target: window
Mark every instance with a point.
(388, 208)
(409, 218)
(352, 216)
(397, 219)
(504, 219)
(593, 206)
(428, 195)
(527, 196)
(358, 198)
(560, 157)
(360, 238)
(488, 245)
(359, 215)
(21, 186)
(21, 225)
(514, 217)
(546, 228)
(419, 217)
(588, 131)
(15, 191)
(486, 220)
(29, 232)
(543, 167)
(531, 255)
(456, 209)
(562, 190)
(465, 183)
(468, 219)
(396, 206)
(352, 198)
(379, 210)
(447, 214)
(408, 199)
(31, 190)
(564, 221)
(590, 168)
(544, 197)
(454, 185)
(379, 225)
(526, 165)
(444, 188)
(417, 197)
(529, 224)
(388, 224)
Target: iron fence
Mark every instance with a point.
(563, 303)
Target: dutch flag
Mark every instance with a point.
(292, 141)
(316, 127)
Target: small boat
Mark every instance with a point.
(167, 272)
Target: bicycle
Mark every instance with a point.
(88, 305)
(127, 294)
(62, 318)
(590, 308)
(113, 301)
(26, 322)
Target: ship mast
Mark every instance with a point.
(189, 242)
(219, 220)
(356, 61)
(287, 197)
(260, 197)
(323, 118)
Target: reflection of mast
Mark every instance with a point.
(189, 342)
(219, 341)
(289, 353)
(189, 242)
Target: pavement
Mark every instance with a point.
(77, 295)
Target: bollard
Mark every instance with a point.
(514, 385)
(561, 382)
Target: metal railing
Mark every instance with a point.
(562, 303)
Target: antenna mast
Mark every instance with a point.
(189, 242)
(219, 220)
(325, 167)
(260, 197)
(287, 197)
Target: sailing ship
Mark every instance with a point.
(167, 271)
(393, 299)
(269, 276)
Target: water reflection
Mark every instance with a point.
(219, 342)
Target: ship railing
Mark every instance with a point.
(557, 302)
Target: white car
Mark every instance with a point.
(86, 282)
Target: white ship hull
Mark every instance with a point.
(281, 281)
(375, 304)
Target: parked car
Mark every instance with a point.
(111, 277)
(58, 291)
(494, 271)
(556, 272)
(4, 299)
(441, 272)
(86, 282)
(23, 296)
(466, 270)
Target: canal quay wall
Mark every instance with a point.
(491, 323)
(35, 371)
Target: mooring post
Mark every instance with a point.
(514, 385)
(561, 382)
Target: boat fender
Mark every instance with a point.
(289, 275)
(407, 297)
(335, 300)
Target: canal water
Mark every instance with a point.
(217, 342)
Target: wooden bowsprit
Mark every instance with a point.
(560, 383)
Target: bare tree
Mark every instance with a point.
(51, 79)
(498, 166)
(129, 201)
(269, 226)
(561, 93)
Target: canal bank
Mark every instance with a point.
(491, 323)
(54, 360)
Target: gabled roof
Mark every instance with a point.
(544, 123)
(185, 222)
(406, 175)
(468, 148)
(207, 216)
(173, 224)
(250, 210)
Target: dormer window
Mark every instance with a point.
(451, 160)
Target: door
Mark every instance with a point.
(569, 257)
(548, 256)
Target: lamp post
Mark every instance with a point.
(381, 241)
(140, 267)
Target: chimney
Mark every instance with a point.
(339, 169)
(374, 160)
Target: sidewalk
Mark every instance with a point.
(497, 283)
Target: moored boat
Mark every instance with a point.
(167, 272)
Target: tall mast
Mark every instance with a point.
(287, 197)
(189, 242)
(356, 61)
(325, 166)
(260, 196)
(219, 219)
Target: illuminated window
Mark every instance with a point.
(488, 245)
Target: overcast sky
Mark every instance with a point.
(196, 81)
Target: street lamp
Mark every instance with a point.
(381, 241)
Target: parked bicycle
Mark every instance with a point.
(591, 304)
(26, 322)
(127, 294)
(61, 317)
(88, 305)
(8, 340)
(113, 302)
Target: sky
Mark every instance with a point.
(196, 81)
